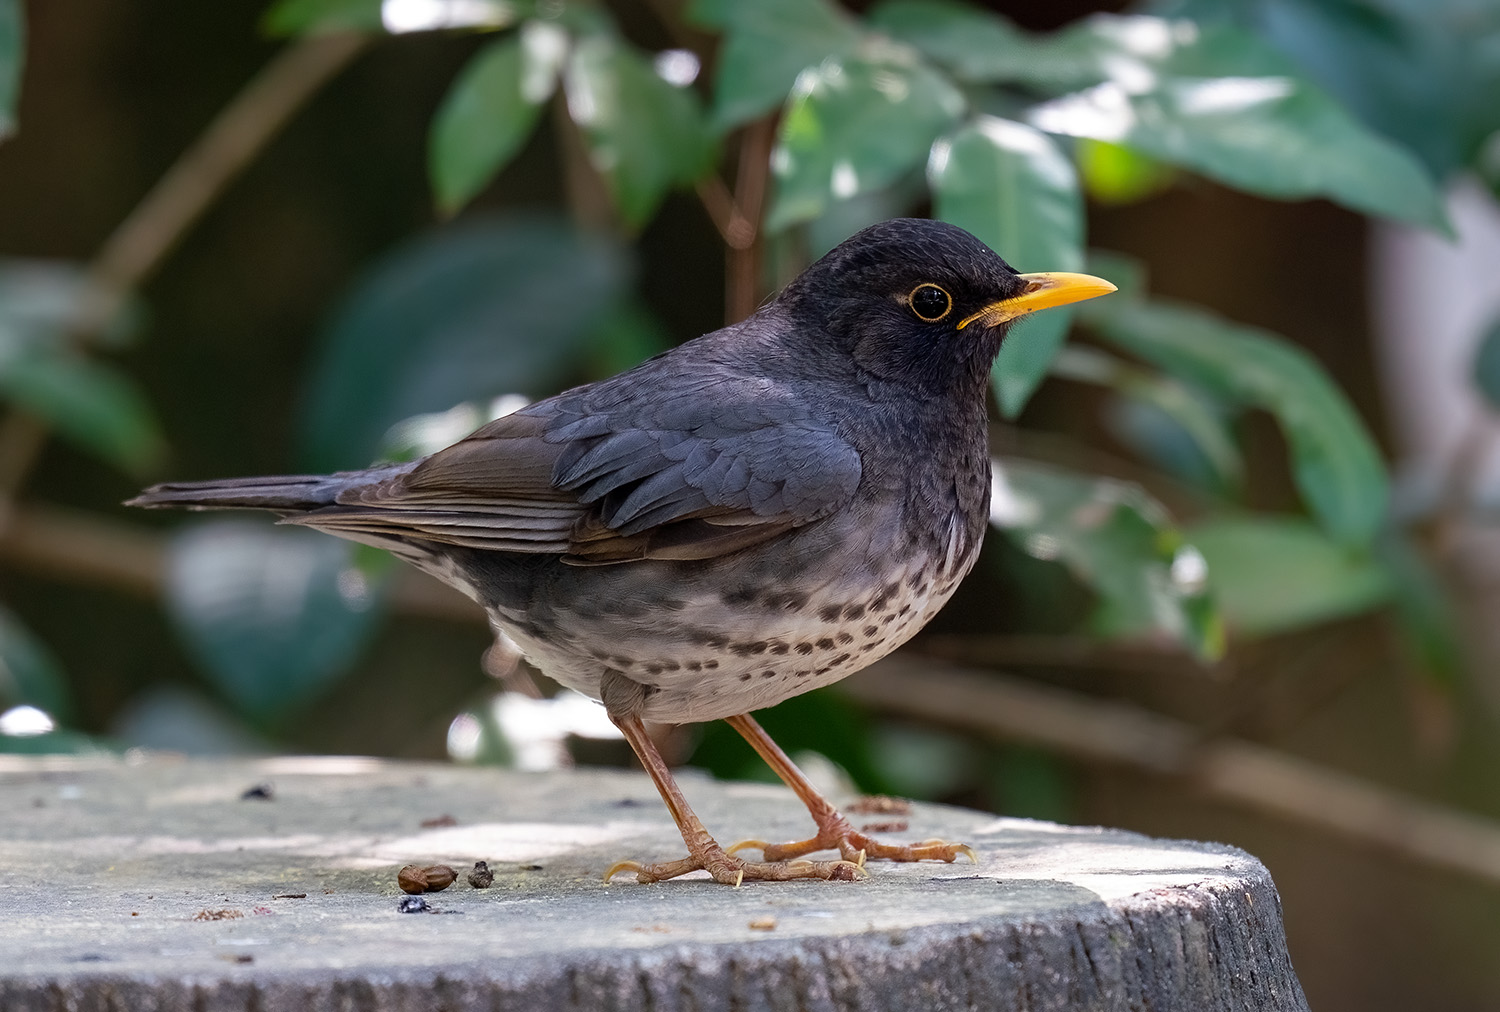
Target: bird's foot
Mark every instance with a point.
(730, 870)
(835, 833)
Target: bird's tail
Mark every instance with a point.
(287, 493)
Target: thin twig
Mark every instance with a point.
(241, 130)
(22, 436)
(1454, 511)
(1067, 652)
(137, 247)
(718, 202)
(101, 551)
(67, 544)
(587, 193)
(742, 266)
(1254, 776)
(755, 169)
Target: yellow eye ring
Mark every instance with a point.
(929, 303)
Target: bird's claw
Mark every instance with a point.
(746, 845)
(733, 871)
(855, 847)
(620, 866)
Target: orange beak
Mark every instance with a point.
(1043, 291)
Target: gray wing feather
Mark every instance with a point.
(600, 475)
(752, 447)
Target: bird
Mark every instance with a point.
(755, 513)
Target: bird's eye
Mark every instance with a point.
(930, 303)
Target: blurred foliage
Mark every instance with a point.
(1040, 221)
(1423, 73)
(12, 49)
(1114, 537)
(1287, 573)
(272, 613)
(29, 674)
(916, 105)
(474, 310)
(44, 371)
(1334, 460)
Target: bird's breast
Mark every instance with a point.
(720, 637)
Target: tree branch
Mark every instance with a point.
(1241, 772)
(742, 268)
(142, 241)
(137, 247)
(99, 551)
(66, 544)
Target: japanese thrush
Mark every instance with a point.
(761, 511)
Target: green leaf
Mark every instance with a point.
(980, 46)
(1031, 783)
(644, 135)
(842, 218)
(1414, 78)
(296, 17)
(1010, 185)
(39, 306)
(1221, 102)
(625, 338)
(273, 614)
(977, 45)
(1486, 162)
(299, 17)
(1117, 540)
(1278, 574)
(1334, 461)
(1177, 405)
(88, 403)
(490, 111)
(29, 673)
(823, 720)
(921, 762)
(1487, 366)
(1425, 610)
(1162, 440)
(55, 743)
(766, 44)
(1114, 174)
(485, 307)
(856, 125)
(169, 717)
(12, 57)
(1422, 72)
(1128, 273)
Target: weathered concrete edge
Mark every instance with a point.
(1208, 948)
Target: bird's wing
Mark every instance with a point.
(600, 478)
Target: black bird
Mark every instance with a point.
(761, 511)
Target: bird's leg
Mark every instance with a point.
(834, 831)
(703, 850)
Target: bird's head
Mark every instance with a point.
(923, 303)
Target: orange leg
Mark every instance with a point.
(703, 850)
(834, 831)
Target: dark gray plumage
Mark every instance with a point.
(760, 511)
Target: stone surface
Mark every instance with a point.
(155, 886)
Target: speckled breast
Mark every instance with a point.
(711, 640)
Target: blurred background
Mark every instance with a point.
(1245, 557)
